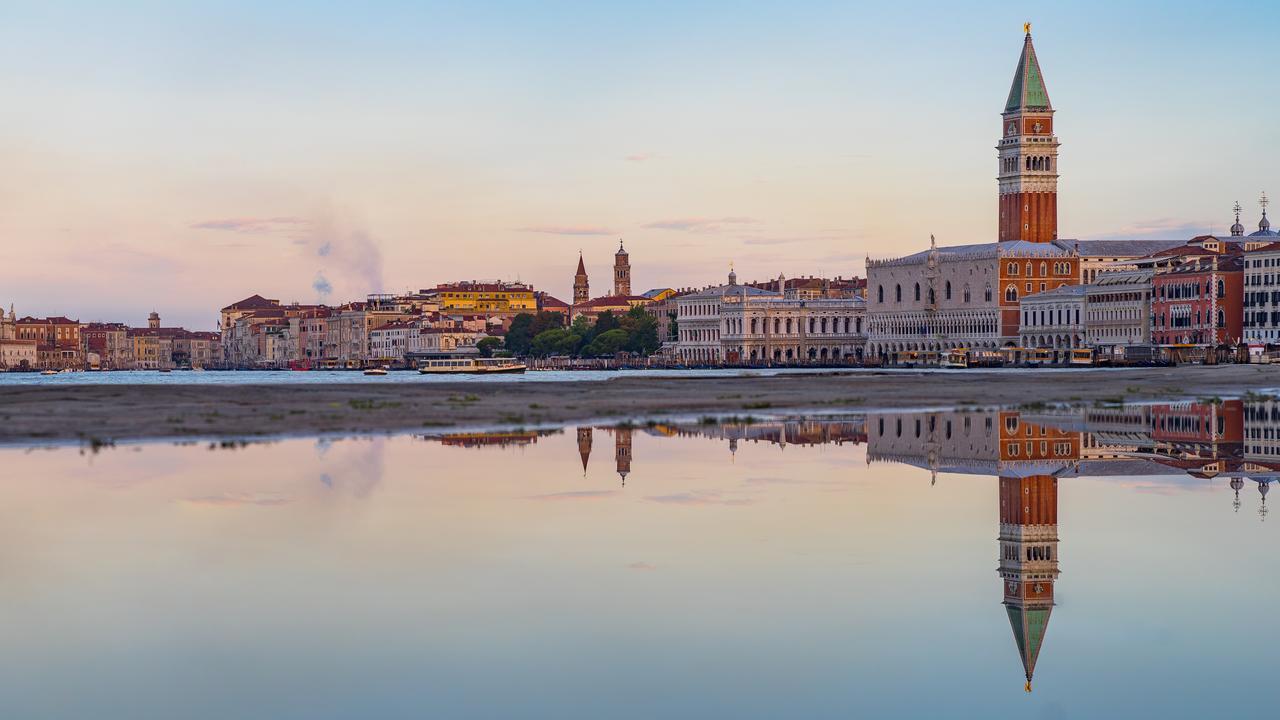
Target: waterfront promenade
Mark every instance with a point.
(122, 412)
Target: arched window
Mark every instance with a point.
(948, 290)
(897, 293)
(986, 294)
(1222, 318)
(880, 293)
(1011, 294)
(917, 292)
(967, 296)
(1222, 289)
(933, 299)
(1013, 268)
(1044, 269)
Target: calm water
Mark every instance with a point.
(886, 565)
(259, 377)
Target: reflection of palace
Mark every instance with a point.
(1028, 453)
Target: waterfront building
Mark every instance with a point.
(57, 341)
(233, 312)
(962, 296)
(488, 297)
(1200, 301)
(15, 353)
(755, 329)
(1262, 295)
(547, 303)
(1054, 318)
(389, 343)
(1262, 432)
(107, 346)
(699, 317)
(1117, 309)
(443, 341)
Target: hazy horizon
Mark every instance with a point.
(178, 158)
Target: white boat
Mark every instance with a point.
(375, 371)
(472, 366)
(49, 372)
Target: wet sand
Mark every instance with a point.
(108, 413)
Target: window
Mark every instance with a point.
(880, 293)
(897, 292)
(987, 293)
(917, 292)
(966, 293)
(1011, 294)
(948, 290)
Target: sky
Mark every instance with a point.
(179, 156)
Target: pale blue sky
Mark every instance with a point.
(425, 142)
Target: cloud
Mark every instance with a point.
(699, 224)
(567, 230)
(237, 500)
(576, 495)
(254, 225)
(641, 566)
(640, 157)
(1159, 229)
(698, 498)
(322, 286)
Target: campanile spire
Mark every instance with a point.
(1028, 155)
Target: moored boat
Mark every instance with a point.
(471, 366)
(375, 371)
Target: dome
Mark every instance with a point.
(1237, 229)
(1264, 228)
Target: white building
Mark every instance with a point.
(698, 320)
(1054, 318)
(1262, 295)
(757, 329)
(1117, 309)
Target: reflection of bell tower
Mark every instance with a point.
(584, 446)
(622, 451)
(1029, 559)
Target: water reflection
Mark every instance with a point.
(1026, 452)
(770, 567)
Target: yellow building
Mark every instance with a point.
(487, 298)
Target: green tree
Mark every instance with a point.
(605, 322)
(607, 343)
(520, 334)
(487, 345)
(556, 341)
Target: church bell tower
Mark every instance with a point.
(1028, 156)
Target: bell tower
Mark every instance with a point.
(581, 289)
(621, 272)
(1028, 156)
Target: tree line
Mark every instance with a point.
(545, 333)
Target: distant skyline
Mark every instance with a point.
(180, 156)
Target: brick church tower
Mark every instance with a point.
(1028, 152)
(581, 289)
(621, 272)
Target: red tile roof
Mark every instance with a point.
(253, 302)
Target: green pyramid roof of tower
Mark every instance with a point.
(1028, 91)
(1029, 624)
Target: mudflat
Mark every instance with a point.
(108, 413)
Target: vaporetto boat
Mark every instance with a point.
(474, 366)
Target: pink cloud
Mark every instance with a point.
(236, 500)
(567, 230)
(254, 225)
(576, 495)
(698, 498)
(642, 566)
(699, 224)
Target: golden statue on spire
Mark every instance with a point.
(1026, 28)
